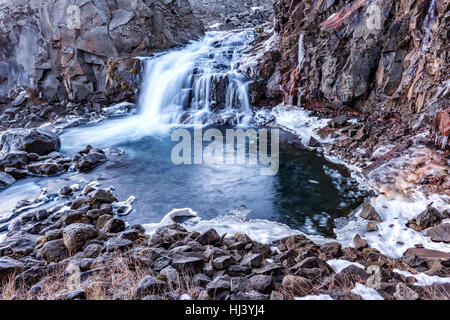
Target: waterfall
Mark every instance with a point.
(198, 83)
(427, 23)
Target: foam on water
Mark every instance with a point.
(260, 230)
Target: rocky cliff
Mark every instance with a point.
(381, 58)
(82, 50)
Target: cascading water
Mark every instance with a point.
(198, 83)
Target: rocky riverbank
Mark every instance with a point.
(81, 250)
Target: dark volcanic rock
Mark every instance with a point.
(37, 141)
(369, 213)
(150, 285)
(439, 233)
(6, 180)
(9, 266)
(209, 237)
(77, 235)
(427, 219)
(54, 251)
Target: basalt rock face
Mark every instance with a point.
(84, 49)
(230, 14)
(384, 58)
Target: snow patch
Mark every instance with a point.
(339, 265)
(366, 293)
(423, 279)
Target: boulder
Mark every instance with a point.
(37, 141)
(45, 169)
(209, 237)
(77, 235)
(89, 161)
(54, 251)
(114, 225)
(103, 196)
(368, 212)
(427, 219)
(440, 233)
(6, 180)
(150, 285)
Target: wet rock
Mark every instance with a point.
(114, 225)
(103, 196)
(9, 266)
(17, 159)
(54, 251)
(349, 276)
(161, 263)
(45, 169)
(262, 283)
(103, 220)
(209, 237)
(427, 219)
(359, 242)
(65, 191)
(6, 180)
(249, 295)
(403, 292)
(313, 143)
(368, 212)
(77, 235)
(37, 141)
(440, 233)
(89, 161)
(131, 235)
(201, 280)
(298, 286)
(95, 214)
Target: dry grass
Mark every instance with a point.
(117, 280)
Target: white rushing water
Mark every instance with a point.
(199, 82)
(191, 84)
